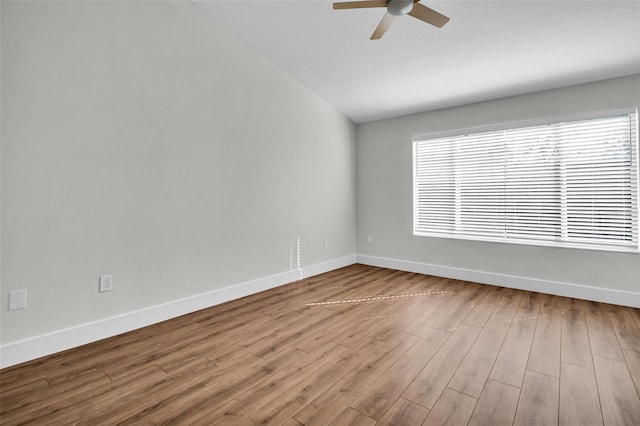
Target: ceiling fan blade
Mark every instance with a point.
(428, 15)
(360, 4)
(383, 26)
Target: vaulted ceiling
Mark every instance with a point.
(488, 50)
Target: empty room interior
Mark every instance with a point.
(402, 212)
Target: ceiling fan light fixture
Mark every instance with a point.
(396, 8)
(399, 7)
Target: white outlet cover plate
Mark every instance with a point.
(17, 299)
(105, 283)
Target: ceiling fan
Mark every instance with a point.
(396, 8)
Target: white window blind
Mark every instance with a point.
(569, 183)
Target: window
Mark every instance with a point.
(572, 183)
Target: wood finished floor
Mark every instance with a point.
(357, 346)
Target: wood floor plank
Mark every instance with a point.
(496, 406)
(576, 347)
(17, 398)
(472, 374)
(625, 327)
(74, 404)
(20, 385)
(538, 404)
(371, 315)
(231, 356)
(635, 313)
(78, 378)
(603, 338)
(409, 312)
(277, 373)
(138, 404)
(351, 417)
(459, 311)
(262, 393)
(285, 334)
(544, 356)
(427, 319)
(618, 396)
(404, 412)
(429, 384)
(295, 397)
(110, 352)
(327, 406)
(215, 343)
(633, 362)
(189, 398)
(511, 363)
(365, 285)
(452, 409)
(579, 401)
(332, 402)
(573, 304)
(152, 353)
(508, 305)
(381, 395)
(324, 333)
(483, 310)
(440, 301)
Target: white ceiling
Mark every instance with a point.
(488, 50)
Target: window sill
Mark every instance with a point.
(532, 242)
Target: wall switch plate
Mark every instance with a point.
(105, 283)
(17, 299)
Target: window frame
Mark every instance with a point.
(544, 121)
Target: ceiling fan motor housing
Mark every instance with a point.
(399, 7)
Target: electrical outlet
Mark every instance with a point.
(105, 283)
(17, 299)
(370, 239)
(325, 243)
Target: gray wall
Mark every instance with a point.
(384, 205)
(142, 140)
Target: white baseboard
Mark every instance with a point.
(35, 347)
(577, 291)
